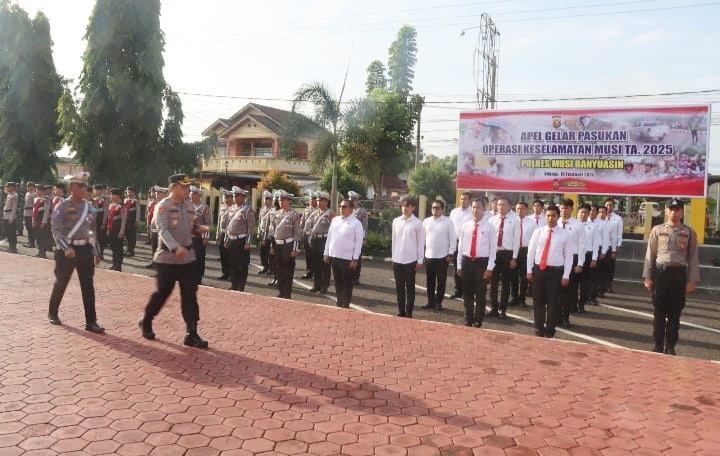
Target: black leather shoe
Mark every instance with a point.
(54, 319)
(222, 277)
(438, 307)
(503, 315)
(314, 290)
(400, 314)
(670, 350)
(193, 340)
(147, 331)
(263, 271)
(493, 313)
(308, 275)
(658, 349)
(93, 327)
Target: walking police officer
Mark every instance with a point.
(175, 260)
(238, 240)
(670, 270)
(73, 222)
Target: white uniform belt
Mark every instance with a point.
(239, 236)
(284, 241)
(79, 242)
(319, 236)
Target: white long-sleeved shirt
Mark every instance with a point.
(560, 252)
(458, 216)
(615, 225)
(408, 240)
(593, 239)
(539, 220)
(510, 232)
(345, 238)
(440, 237)
(485, 242)
(577, 232)
(527, 227)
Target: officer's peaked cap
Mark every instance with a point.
(80, 178)
(181, 179)
(675, 203)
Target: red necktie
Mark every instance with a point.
(546, 250)
(537, 219)
(473, 243)
(564, 223)
(500, 231)
(521, 224)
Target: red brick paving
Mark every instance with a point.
(284, 377)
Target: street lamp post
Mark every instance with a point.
(227, 163)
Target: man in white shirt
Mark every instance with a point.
(440, 245)
(519, 285)
(550, 256)
(408, 245)
(615, 225)
(577, 234)
(458, 216)
(589, 258)
(507, 228)
(342, 250)
(477, 246)
(538, 215)
(599, 272)
(9, 218)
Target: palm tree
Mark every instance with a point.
(328, 115)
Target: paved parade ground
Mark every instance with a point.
(286, 377)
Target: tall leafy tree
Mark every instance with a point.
(29, 92)
(122, 85)
(375, 76)
(401, 61)
(432, 181)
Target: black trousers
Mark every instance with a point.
(154, 242)
(238, 263)
(587, 280)
(343, 281)
(102, 237)
(502, 275)
(11, 234)
(131, 236)
(265, 255)
(474, 289)
(668, 299)
(600, 277)
(519, 283)
(546, 299)
(285, 268)
(569, 294)
(405, 287)
(64, 267)
(44, 239)
(320, 269)
(30, 230)
(19, 224)
(200, 252)
(224, 260)
(356, 272)
(116, 245)
(436, 275)
(307, 248)
(610, 270)
(456, 277)
(186, 276)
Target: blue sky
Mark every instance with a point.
(241, 51)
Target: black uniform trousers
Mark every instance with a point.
(238, 263)
(587, 280)
(610, 271)
(264, 256)
(546, 299)
(186, 276)
(102, 237)
(343, 281)
(320, 269)
(456, 277)
(502, 275)
(116, 245)
(11, 234)
(154, 242)
(30, 230)
(44, 239)
(356, 272)
(224, 260)
(519, 284)
(200, 251)
(436, 280)
(84, 262)
(405, 287)
(131, 235)
(569, 294)
(307, 248)
(668, 298)
(600, 277)
(474, 288)
(285, 268)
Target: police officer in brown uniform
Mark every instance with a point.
(238, 240)
(200, 240)
(175, 260)
(30, 195)
(73, 222)
(9, 218)
(41, 221)
(117, 220)
(318, 237)
(263, 225)
(133, 211)
(100, 203)
(306, 221)
(670, 270)
(287, 240)
(223, 219)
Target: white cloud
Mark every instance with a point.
(603, 34)
(646, 37)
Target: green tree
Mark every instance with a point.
(378, 136)
(120, 117)
(432, 181)
(375, 76)
(448, 163)
(402, 59)
(274, 180)
(328, 117)
(346, 181)
(29, 92)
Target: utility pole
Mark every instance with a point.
(487, 54)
